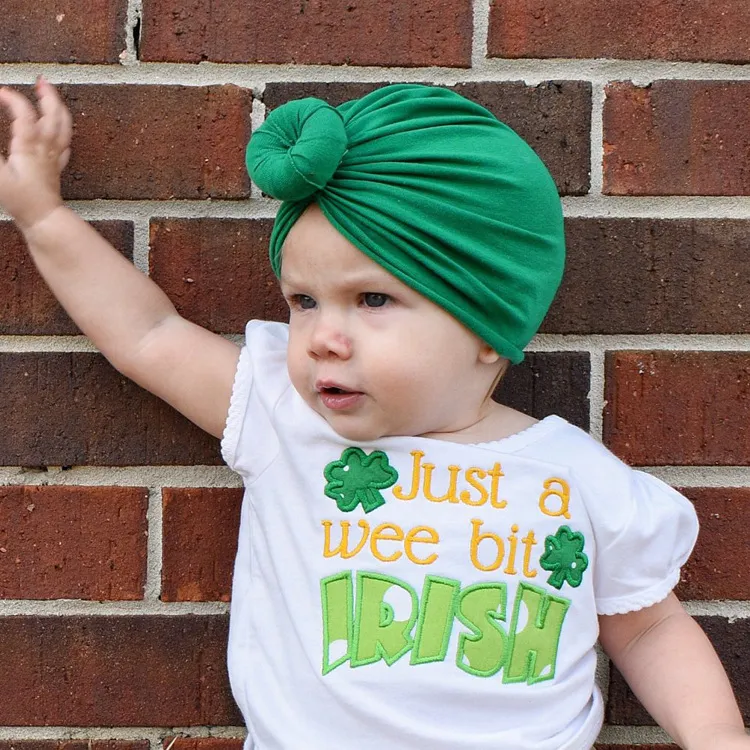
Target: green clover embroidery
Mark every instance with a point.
(356, 478)
(564, 556)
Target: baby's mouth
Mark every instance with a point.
(337, 398)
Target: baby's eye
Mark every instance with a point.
(375, 299)
(302, 301)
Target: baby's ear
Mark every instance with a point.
(487, 355)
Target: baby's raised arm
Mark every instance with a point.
(128, 318)
(674, 671)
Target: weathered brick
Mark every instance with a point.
(334, 92)
(216, 271)
(654, 276)
(116, 671)
(63, 31)
(27, 307)
(553, 117)
(549, 383)
(136, 142)
(339, 32)
(203, 743)
(73, 408)
(72, 542)
(716, 569)
(677, 138)
(681, 408)
(732, 643)
(74, 745)
(200, 531)
(657, 29)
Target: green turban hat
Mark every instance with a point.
(434, 189)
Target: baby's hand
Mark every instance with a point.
(39, 150)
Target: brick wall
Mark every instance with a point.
(117, 518)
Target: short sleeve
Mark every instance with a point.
(639, 563)
(249, 443)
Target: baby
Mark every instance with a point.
(419, 567)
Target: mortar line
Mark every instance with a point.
(153, 734)
(587, 206)
(719, 477)
(480, 32)
(133, 16)
(154, 545)
(596, 168)
(531, 71)
(257, 117)
(596, 392)
(141, 244)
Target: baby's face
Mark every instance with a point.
(369, 354)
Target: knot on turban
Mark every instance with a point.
(297, 150)
(434, 189)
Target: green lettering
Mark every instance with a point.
(482, 651)
(435, 622)
(533, 649)
(377, 634)
(337, 603)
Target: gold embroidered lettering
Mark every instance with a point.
(387, 532)
(550, 491)
(496, 472)
(343, 548)
(510, 568)
(398, 491)
(450, 495)
(528, 542)
(466, 498)
(477, 538)
(413, 538)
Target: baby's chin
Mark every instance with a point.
(357, 433)
(358, 430)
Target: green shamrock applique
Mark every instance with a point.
(564, 556)
(356, 478)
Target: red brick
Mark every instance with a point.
(553, 117)
(74, 745)
(731, 639)
(549, 383)
(717, 568)
(203, 743)
(681, 408)
(72, 542)
(27, 307)
(216, 271)
(338, 32)
(677, 138)
(73, 408)
(654, 276)
(116, 671)
(658, 29)
(136, 142)
(200, 531)
(63, 31)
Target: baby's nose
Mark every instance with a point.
(329, 339)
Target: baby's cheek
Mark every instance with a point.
(296, 368)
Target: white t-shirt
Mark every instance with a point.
(418, 594)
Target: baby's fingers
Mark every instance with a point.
(55, 123)
(24, 118)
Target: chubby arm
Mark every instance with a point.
(674, 671)
(124, 313)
